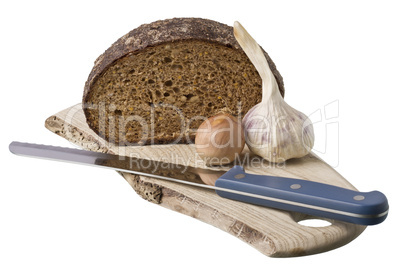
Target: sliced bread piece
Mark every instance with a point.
(156, 84)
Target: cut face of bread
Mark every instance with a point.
(161, 93)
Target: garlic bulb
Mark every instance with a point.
(220, 139)
(273, 129)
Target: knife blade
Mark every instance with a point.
(313, 198)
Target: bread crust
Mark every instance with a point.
(169, 30)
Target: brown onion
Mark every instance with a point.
(220, 139)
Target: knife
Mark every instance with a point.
(313, 198)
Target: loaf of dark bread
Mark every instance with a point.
(156, 84)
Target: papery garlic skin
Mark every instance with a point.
(282, 134)
(273, 129)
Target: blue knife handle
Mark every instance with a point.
(313, 198)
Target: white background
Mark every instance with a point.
(59, 215)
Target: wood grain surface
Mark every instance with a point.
(273, 232)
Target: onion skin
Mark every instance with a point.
(220, 139)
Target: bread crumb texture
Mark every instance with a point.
(161, 93)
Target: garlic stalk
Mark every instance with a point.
(273, 129)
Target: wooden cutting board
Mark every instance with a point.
(275, 233)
